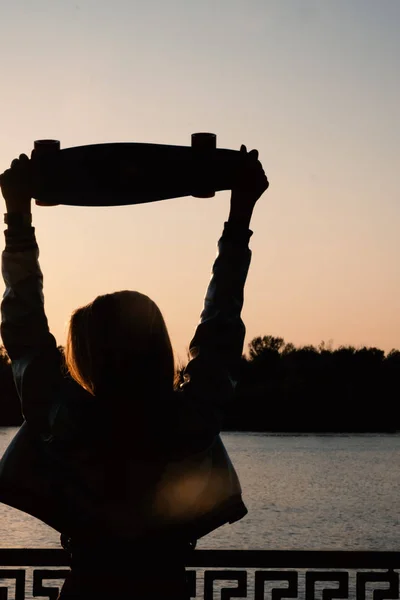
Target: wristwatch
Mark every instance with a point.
(18, 219)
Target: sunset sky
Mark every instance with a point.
(314, 85)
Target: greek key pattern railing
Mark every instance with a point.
(225, 574)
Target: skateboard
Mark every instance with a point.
(113, 174)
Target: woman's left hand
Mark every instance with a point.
(16, 185)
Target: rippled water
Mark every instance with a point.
(302, 492)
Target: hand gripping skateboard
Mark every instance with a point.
(130, 173)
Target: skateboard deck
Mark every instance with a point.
(119, 173)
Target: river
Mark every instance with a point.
(303, 492)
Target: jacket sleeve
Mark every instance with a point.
(216, 348)
(35, 359)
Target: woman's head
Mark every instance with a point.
(120, 340)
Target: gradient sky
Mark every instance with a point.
(313, 84)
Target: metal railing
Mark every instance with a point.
(225, 574)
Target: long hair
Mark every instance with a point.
(119, 343)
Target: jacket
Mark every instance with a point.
(54, 468)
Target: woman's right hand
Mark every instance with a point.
(249, 185)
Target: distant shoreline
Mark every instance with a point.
(307, 433)
(289, 433)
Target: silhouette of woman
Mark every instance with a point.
(127, 466)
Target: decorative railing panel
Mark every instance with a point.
(225, 574)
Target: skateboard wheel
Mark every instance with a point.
(204, 141)
(46, 146)
(204, 146)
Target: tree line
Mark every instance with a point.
(284, 388)
(316, 389)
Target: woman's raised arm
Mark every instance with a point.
(217, 346)
(24, 329)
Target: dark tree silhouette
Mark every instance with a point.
(292, 389)
(289, 388)
(10, 408)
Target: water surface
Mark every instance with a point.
(303, 492)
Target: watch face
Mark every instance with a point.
(18, 219)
